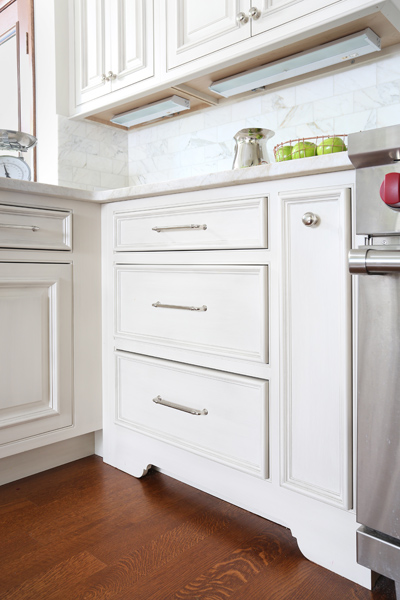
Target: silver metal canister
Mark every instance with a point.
(250, 149)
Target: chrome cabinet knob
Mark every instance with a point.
(254, 13)
(104, 77)
(241, 18)
(310, 220)
(111, 76)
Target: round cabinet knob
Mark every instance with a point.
(111, 76)
(254, 13)
(104, 77)
(241, 18)
(310, 220)
(390, 190)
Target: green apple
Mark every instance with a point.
(304, 150)
(331, 145)
(283, 153)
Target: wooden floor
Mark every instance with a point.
(86, 531)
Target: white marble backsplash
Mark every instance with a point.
(94, 156)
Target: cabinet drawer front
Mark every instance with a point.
(213, 309)
(223, 224)
(35, 228)
(232, 427)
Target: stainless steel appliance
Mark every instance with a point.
(376, 155)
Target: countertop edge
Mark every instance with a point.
(274, 171)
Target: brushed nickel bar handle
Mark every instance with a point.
(160, 229)
(196, 308)
(11, 226)
(187, 409)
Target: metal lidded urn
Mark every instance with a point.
(250, 149)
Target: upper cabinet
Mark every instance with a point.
(196, 29)
(113, 45)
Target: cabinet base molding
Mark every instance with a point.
(325, 535)
(40, 459)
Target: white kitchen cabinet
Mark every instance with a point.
(35, 349)
(249, 400)
(196, 29)
(50, 322)
(317, 392)
(113, 45)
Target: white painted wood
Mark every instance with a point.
(275, 13)
(234, 323)
(130, 41)
(35, 228)
(317, 346)
(91, 58)
(235, 429)
(198, 28)
(44, 458)
(240, 223)
(35, 349)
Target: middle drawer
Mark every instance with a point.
(217, 309)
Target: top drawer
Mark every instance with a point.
(35, 228)
(239, 223)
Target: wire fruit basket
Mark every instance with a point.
(310, 146)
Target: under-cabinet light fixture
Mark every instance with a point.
(326, 55)
(150, 112)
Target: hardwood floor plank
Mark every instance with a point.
(86, 531)
(65, 576)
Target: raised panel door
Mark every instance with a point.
(195, 29)
(317, 346)
(131, 41)
(91, 52)
(35, 349)
(275, 13)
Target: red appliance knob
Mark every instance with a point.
(390, 190)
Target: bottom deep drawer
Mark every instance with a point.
(221, 416)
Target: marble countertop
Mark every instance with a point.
(296, 168)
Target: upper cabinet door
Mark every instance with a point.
(131, 41)
(195, 29)
(275, 13)
(90, 50)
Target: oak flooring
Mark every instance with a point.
(86, 531)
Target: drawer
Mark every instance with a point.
(239, 223)
(217, 309)
(35, 228)
(228, 418)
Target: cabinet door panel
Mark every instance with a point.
(90, 50)
(275, 13)
(317, 339)
(195, 29)
(131, 41)
(35, 349)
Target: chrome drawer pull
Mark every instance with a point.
(31, 227)
(197, 308)
(159, 229)
(192, 411)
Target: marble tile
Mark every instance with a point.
(302, 113)
(99, 163)
(120, 167)
(383, 94)
(71, 158)
(272, 101)
(192, 156)
(218, 151)
(190, 123)
(227, 132)
(356, 122)
(109, 180)
(265, 121)
(388, 68)
(388, 115)
(333, 107)
(178, 143)
(354, 78)
(314, 90)
(246, 108)
(218, 115)
(85, 176)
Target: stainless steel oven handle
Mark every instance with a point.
(366, 261)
